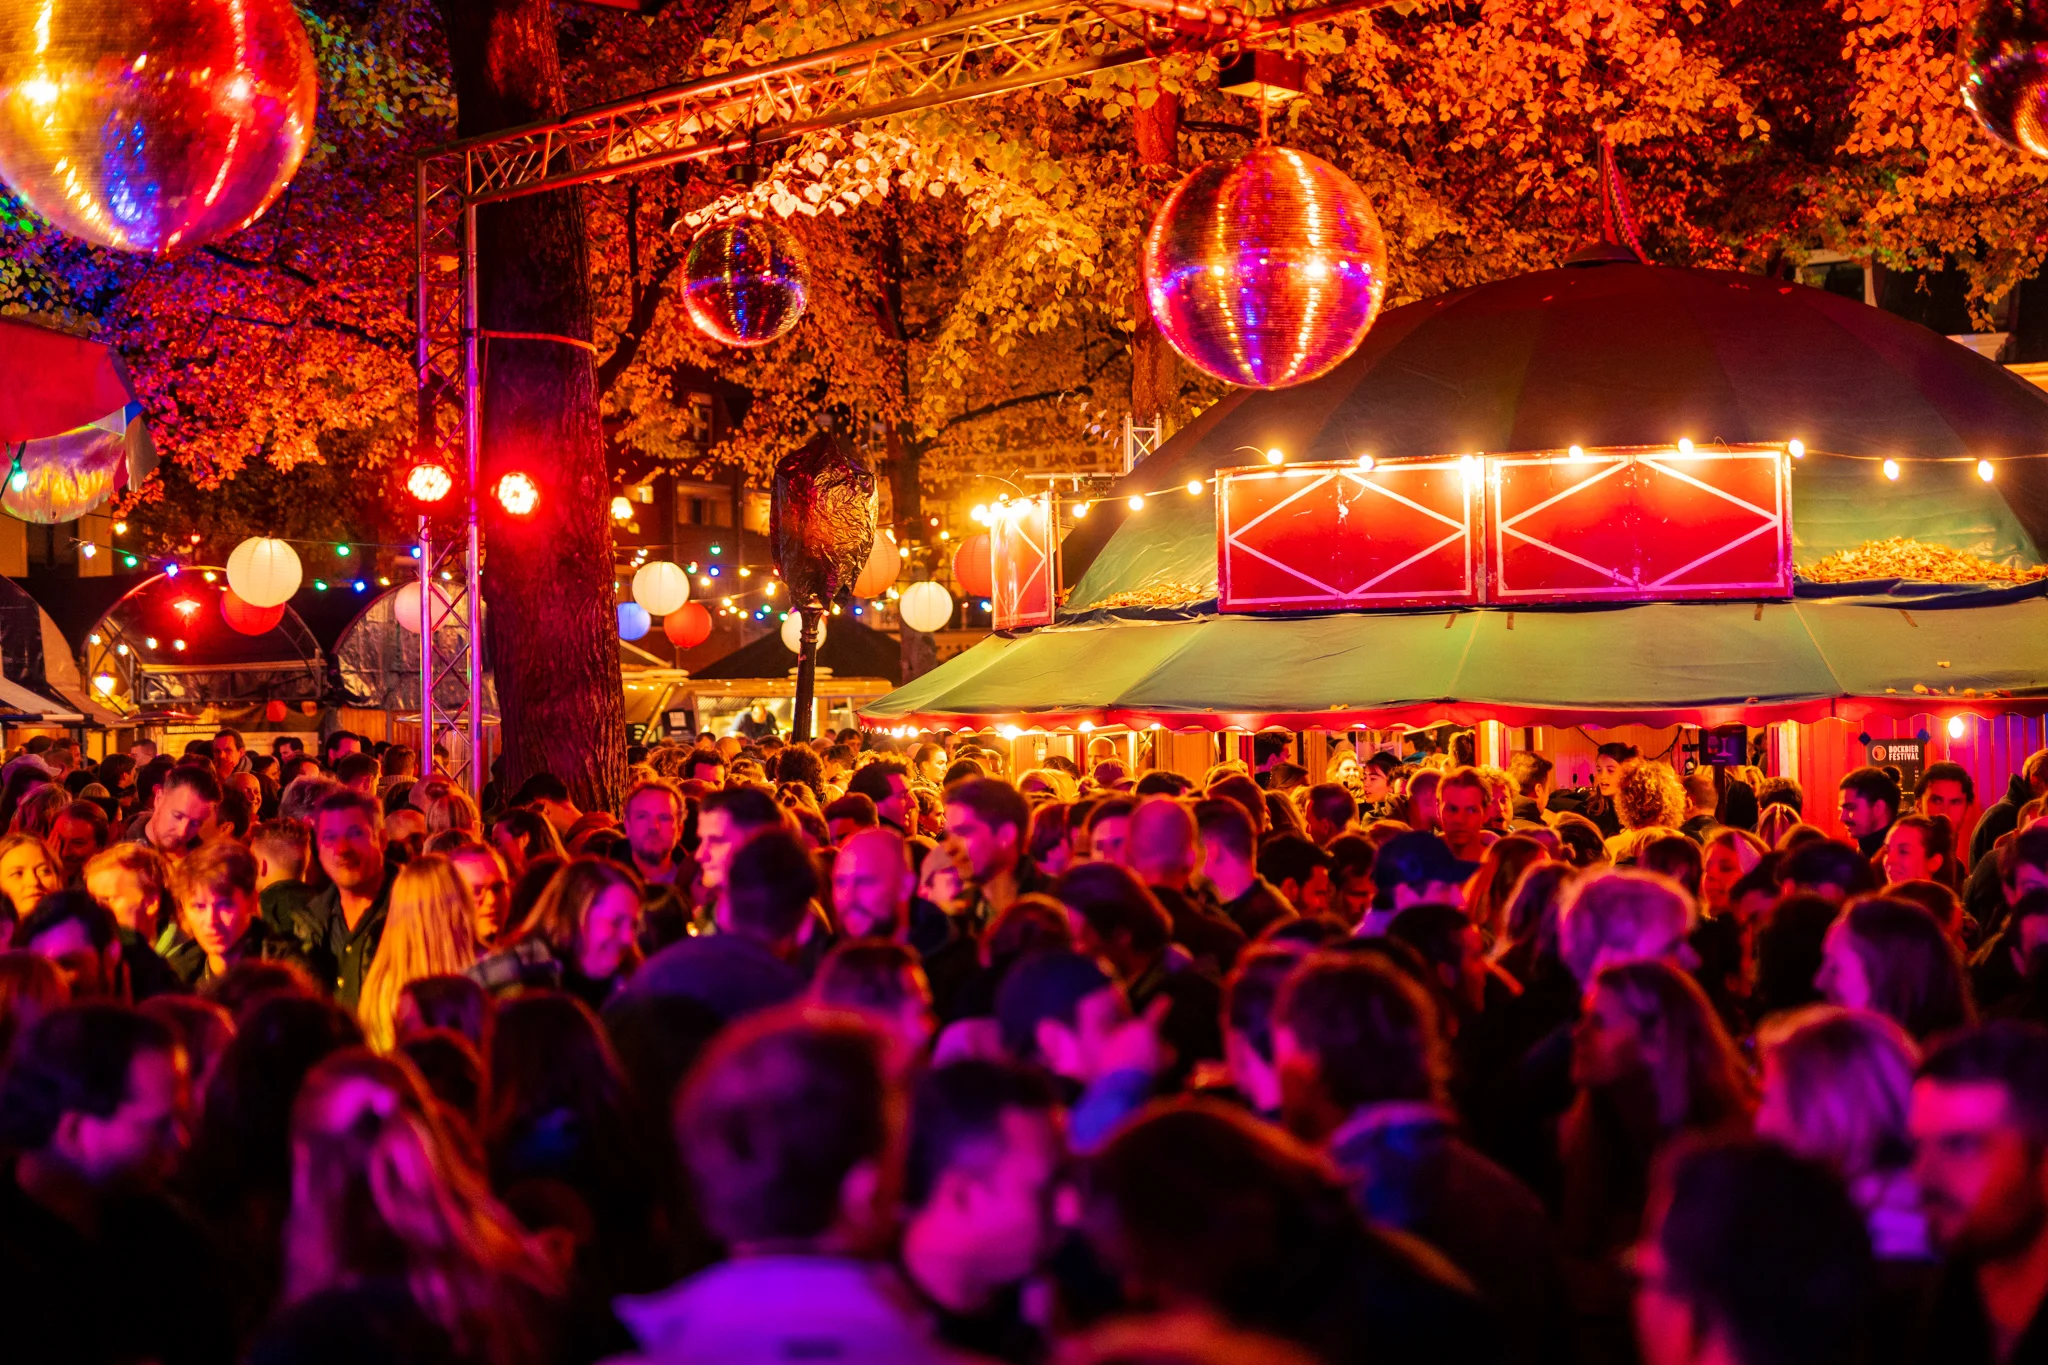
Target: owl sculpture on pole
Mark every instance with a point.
(821, 527)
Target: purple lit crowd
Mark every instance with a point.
(873, 1051)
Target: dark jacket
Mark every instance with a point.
(1410, 1170)
(732, 974)
(2000, 818)
(343, 955)
(187, 960)
(1261, 905)
(1208, 935)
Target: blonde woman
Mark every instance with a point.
(429, 932)
(391, 1234)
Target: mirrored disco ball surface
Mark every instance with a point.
(2004, 47)
(153, 126)
(743, 283)
(1265, 270)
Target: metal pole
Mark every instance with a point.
(806, 675)
(472, 447)
(426, 582)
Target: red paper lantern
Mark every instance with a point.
(688, 627)
(974, 566)
(273, 711)
(247, 619)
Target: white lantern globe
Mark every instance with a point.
(925, 606)
(264, 571)
(792, 632)
(405, 605)
(661, 587)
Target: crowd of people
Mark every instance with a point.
(861, 1050)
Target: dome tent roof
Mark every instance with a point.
(1609, 353)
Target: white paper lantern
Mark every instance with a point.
(264, 572)
(792, 624)
(405, 605)
(925, 606)
(661, 587)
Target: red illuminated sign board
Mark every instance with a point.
(1024, 551)
(1660, 524)
(1321, 537)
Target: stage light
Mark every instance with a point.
(1985, 471)
(517, 493)
(1891, 470)
(1080, 510)
(185, 607)
(428, 482)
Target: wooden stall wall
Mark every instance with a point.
(1992, 748)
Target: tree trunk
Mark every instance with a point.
(551, 635)
(1155, 369)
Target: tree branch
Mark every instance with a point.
(646, 303)
(1020, 400)
(226, 257)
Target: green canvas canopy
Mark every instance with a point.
(1695, 663)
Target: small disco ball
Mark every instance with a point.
(2004, 47)
(153, 126)
(743, 283)
(1265, 270)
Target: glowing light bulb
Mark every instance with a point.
(1137, 502)
(1276, 456)
(1797, 447)
(1194, 486)
(104, 682)
(1955, 727)
(1985, 471)
(178, 645)
(1577, 452)
(1080, 510)
(1085, 726)
(1891, 470)
(121, 650)
(1366, 462)
(622, 510)
(120, 528)
(1685, 445)
(149, 642)
(89, 550)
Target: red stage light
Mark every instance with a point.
(429, 481)
(518, 494)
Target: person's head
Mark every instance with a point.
(1228, 841)
(29, 871)
(80, 831)
(1728, 855)
(588, 916)
(186, 805)
(1329, 811)
(872, 884)
(1618, 915)
(885, 983)
(1892, 956)
(987, 822)
(1827, 868)
(142, 751)
(770, 884)
(1647, 795)
(1115, 915)
(654, 819)
(986, 1144)
(282, 848)
(1452, 950)
(1055, 1008)
(1530, 772)
(548, 797)
(1352, 857)
(1836, 1084)
(1418, 869)
(379, 1188)
(1493, 886)
(1109, 826)
(2023, 862)
(1249, 993)
(1946, 789)
(429, 931)
(725, 820)
(216, 890)
(31, 985)
(1919, 848)
(1674, 856)
(1530, 923)
(1751, 1255)
(98, 1089)
(348, 831)
(1461, 805)
(1869, 802)
(1351, 1031)
(886, 782)
(457, 1004)
(790, 1131)
(228, 750)
(1648, 1018)
(1979, 1127)
(1163, 843)
(129, 879)
(1607, 764)
(1236, 786)
(704, 765)
(76, 933)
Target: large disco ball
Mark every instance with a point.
(1265, 270)
(744, 283)
(153, 125)
(2004, 47)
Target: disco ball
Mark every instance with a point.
(744, 281)
(153, 125)
(2004, 47)
(1265, 270)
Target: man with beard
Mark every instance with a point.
(348, 832)
(185, 808)
(1979, 1127)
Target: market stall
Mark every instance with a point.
(1452, 546)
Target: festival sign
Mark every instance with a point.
(1323, 537)
(1025, 550)
(1641, 524)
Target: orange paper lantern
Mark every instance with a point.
(974, 566)
(247, 619)
(273, 711)
(688, 627)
